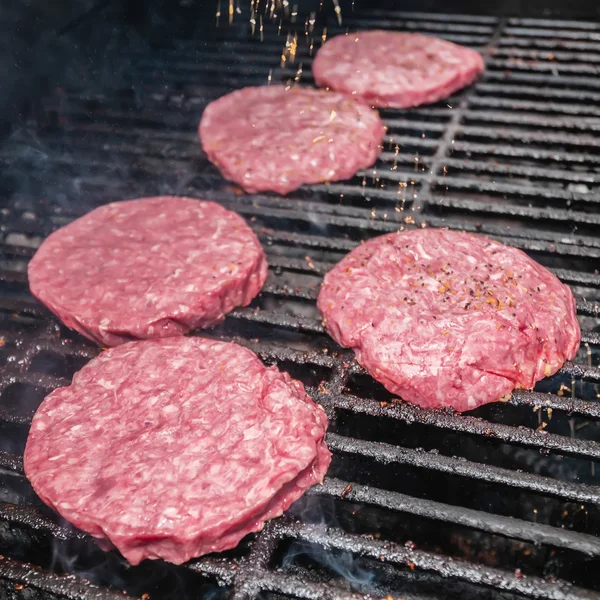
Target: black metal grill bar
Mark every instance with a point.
(302, 324)
(405, 123)
(401, 16)
(532, 213)
(586, 115)
(474, 519)
(554, 33)
(558, 55)
(424, 25)
(447, 567)
(542, 67)
(590, 338)
(573, 46)
(494, 168)
(532, 241)
(386, 454)
(11, 462)
(547, 92)
(26, 576)
(538, 154)
(583, 449)
(531, 137)
(505, 189)
(549, 23)
(255, 580)
(590, 309)
(222, 569)
(542, 79)
(572, 406)
(440, 31)
(8, 417)
(33, 519)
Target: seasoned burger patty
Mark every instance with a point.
(392, 69)
(148, 268)
(447, 319)
(175, 448)
(276, 138)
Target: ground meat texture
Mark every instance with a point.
(398, 70)
(174, 448)
(447, 319)
(148, 268)
(275, 138)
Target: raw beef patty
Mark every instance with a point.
(148, 268)
(398, 70)
(273, 138)
(447, 319)
(174, 448)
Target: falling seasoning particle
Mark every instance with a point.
(346, 491)
(309, 262)
(338, 11)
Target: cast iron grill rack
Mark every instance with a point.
(503, 502)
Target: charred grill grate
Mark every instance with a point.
(503, 502)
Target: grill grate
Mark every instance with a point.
(501, 503)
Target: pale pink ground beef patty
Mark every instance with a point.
(447, 319)
(175, 448)
(154, 267)
(275, 138)
(393, 69)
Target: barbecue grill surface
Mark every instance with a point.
(503, 502)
